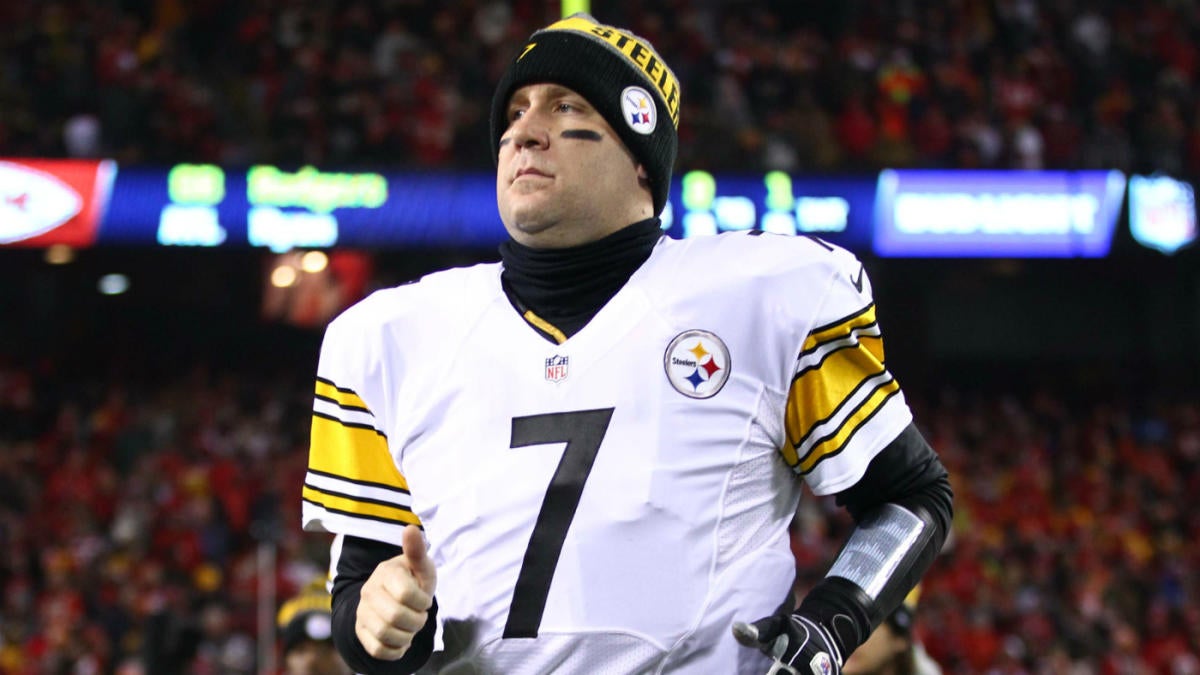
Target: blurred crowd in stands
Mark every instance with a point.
(797, 86)
(132, 512)
(1076, 538)
(133, 508)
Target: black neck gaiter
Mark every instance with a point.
(567, 286)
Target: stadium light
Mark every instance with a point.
(113, 284)
(59, 254)
(283, 276)
(314, 262)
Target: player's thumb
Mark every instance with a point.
(761, 632)
(417, 556)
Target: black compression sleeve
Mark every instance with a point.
(358, 559)
(907, 473)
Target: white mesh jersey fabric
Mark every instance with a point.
(566, 654)
(762, 492)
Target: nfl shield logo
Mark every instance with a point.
(821, 663)
(556, 368)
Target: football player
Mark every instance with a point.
(585, 458)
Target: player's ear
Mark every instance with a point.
(643, 176)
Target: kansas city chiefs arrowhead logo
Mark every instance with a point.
(33, 202)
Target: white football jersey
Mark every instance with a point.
(612, 503)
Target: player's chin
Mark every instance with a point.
(527, 230)
(530, 213)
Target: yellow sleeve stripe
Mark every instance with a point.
(867, 337)
(355, 452)
(350, 506)
(342, 396)
(818, 393)
(839, 328)
(834, 443)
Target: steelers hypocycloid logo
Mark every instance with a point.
(697, 363)
(640, 113)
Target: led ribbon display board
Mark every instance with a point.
(908, 213)
(838, 209)
(1162, 212)
(44, 202)
(1060, 214)
(205, 205)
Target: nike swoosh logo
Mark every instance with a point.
(858, 281)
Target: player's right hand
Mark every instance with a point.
(396, 598)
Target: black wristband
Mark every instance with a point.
(842, 607)
(345, 610)
(359, 558)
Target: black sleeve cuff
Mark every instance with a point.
(356, 656)
(358, 559)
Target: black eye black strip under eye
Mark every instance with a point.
(581, 134)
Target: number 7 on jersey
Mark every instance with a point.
(582, 431)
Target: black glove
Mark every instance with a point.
(799, 645)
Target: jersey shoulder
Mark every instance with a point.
(756, 257)
(437, 301)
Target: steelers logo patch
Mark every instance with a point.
(697, 363)
(640, 113)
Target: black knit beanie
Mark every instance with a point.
(619, 74)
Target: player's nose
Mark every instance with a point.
(530, 131)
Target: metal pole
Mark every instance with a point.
(266, 607)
